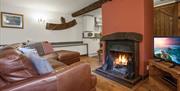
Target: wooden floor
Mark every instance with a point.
(104, 84)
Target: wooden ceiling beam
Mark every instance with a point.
(89, 8)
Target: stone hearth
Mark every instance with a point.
(121, 57)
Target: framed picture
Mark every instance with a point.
(11, 20)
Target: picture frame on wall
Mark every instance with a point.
(12, 20)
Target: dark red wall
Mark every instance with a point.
(131, 16)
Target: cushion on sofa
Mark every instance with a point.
(42, 48)
(3, 83)
(48, 48)
(56, 64)
(15, 67)
(28, 51)
(65, 54)
(41, 64)
(51, 56)
(68, 57)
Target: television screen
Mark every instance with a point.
(167, 48)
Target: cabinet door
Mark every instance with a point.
(89, 23)
(178, 32)
(93, 46)
(166, 20)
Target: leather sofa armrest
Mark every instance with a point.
(45, 83)
(76, 77)
(93, 81)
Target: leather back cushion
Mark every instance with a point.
(15, 67)
(42, 48)
(47, 47)
(2, 83)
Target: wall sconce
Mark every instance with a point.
(41, 20)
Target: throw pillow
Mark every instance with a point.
(41, 64)
(28, 51)
(2, 83)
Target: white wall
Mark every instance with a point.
(163, 2)
(93, 44)
(89, 24)
(35, 31)
(80, 48)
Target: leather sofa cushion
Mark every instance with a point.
(48, 48)
(64, 54)
(17, 76)
(41, 64)
(42, 48)
(2, 83)
(56, 64)
(51, 56)
(15, 67)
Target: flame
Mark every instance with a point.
(121, 60)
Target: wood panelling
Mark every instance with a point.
(179, 18)
(166, 21)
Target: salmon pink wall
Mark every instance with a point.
(131, 16)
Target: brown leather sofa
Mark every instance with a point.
(18, 74)
(46, 49)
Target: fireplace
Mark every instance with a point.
(121, 57)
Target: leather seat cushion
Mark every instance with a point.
(2, 83)
(64, 54)
(51, 56)
(15, 67)
(56, 64)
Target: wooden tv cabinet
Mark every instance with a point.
(157, 70)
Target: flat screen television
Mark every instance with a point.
(167, 49)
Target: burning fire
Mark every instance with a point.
(121, 60)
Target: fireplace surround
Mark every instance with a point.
(121, 62)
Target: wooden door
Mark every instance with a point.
(166, 20)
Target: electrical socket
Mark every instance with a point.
(147, 67)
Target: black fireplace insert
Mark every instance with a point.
(121, 62)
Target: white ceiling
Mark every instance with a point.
(96, 13)
(159, 2)
(67, 6)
